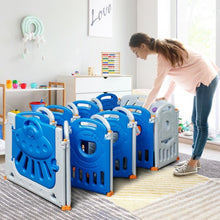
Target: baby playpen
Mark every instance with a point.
(82, 146)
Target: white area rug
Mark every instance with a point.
(150, 186)
(201, 202)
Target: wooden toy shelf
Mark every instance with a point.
(52, 86)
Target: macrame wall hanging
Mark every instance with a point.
(32, 30)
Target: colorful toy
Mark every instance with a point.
(8, 84)
(16, 111)
(38, 156)
(35, 105)
(33, 85)
(23, 85)
(15, 84)
(43, 87)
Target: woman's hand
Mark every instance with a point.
(162, 98)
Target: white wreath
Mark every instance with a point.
(37, 35)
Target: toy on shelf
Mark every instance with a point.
(91, 71)
(33, 85)
(35, 105)
(38, 156)
(76, 73)
(8, 84)
(23, 85)
(185, 128)
(43, 87)
(16, 111)
(15, 84)
(110, 63)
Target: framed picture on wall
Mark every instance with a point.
(100, 18)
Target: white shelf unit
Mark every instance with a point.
(87, 87)
(52, 86)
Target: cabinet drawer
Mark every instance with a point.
(89, 96)
(101, 84)
(87, 87)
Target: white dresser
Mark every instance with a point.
(87, 87)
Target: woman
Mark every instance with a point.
(190, 70)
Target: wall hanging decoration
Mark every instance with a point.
(32, 30)
(100, 18)
(110, 62)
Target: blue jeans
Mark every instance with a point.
(202, 104)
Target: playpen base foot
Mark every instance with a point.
(132, 177)
(66, 208)
(177, 158)
(109, 194)
(154, 168)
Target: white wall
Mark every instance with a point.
(217, 33)
(147, 19)
(68, 46)
(157, 19)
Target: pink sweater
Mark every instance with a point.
(196, 69)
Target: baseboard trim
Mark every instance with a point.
(209, 144)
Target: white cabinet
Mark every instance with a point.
(87, 87)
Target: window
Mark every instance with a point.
(196, 27)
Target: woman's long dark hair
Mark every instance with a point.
(172, 50)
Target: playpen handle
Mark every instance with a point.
(48, 113)
(103, 120)
(126, 111)
(165, 106)
(66, 130)
(98, 102)
(73, 108)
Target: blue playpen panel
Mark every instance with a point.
(108, 100)
(60, 113)
(122, 143)
(43, 118)
(91, 169)
(86, 108)
(33, 149)
(1, 136)
(145, 140)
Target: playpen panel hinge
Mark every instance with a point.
(109, 136)
(153, 119)
(132, 124)
(65, 143)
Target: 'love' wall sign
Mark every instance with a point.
(100, 18)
